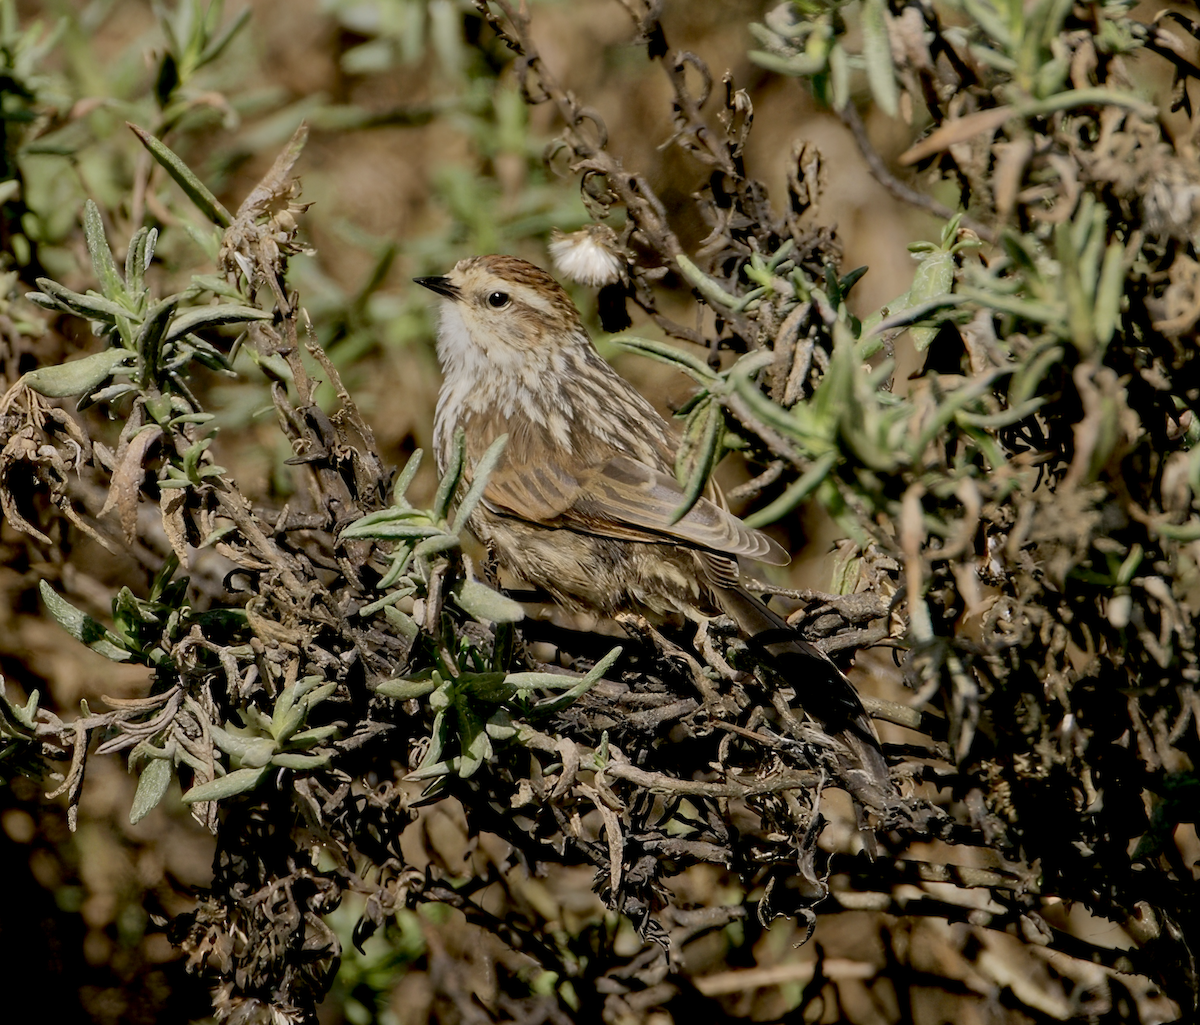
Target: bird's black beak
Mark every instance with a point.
(441, 285)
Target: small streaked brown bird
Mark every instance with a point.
(582, 499)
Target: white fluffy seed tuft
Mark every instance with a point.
(588, 256)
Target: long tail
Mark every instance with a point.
(824, 691)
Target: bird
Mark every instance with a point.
(582, 502)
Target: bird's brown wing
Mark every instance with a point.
(625, 499)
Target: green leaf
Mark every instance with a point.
(474, 742)
(196, 190)
(501, 726)
(839, 77)
(439, 733)
(698, 451)
(388, 599)
(671, 355)
(432, 770)
(300, 762)
(1028, 377)
(93, 307)
(248, 750)
(218, 43)
(229, 785)
(406, 476)
(448, 485)
(710, 291)
(25, 714)
(215, 284)
(795, 493)
(800, 423)
(79, 376)
(1109, 292)
(481, 602)
(150, 338)
(382, 530)
(561, 681)
(433, 545)
(541, 681)
(213, 316)
(483, 470)
(589, 680)
(877, 55)
(81, 626)
(137, 260)
(932, 282)
(102, 258)
(152, 785)
(405, 690)
(401, 622)
(796, 64)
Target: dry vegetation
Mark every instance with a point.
(362, 777)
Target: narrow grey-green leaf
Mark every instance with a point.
(991, 18)
(248, 750)
(709, 289)
(213, 316)
(839, 76)
(698, 454)
(44, 301)
(796, 64)
(388, 599)
(589, 680)
(301, 762)
(476, 745)
(152, 785)
(433, 545)
(382, 530)
(541, 681)
(218, 42)
(78, 376)
(932, 283)
(25, 714)
(1108, 294)
(769, 412)
(877, 55)
(213, 283)
(185, 177)
(314, 735)
(483, 470)
(137, 260)
(795, 493)
(229, 785)
(481, 602)
(93, 307)
(574, 685)
(406, 476)
(439, 733)
(432, 770)
(80, 625)
(401, 622)
(151, 335)
(392, 514)
(401, 557)
(102, 258)
(669, 354)
(404, 690)
(448, 485)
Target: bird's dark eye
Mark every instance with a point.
(498, 300)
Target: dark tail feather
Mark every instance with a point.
(823, 689)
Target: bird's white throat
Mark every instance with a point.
(484, 375)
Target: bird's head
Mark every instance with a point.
(502, 308)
